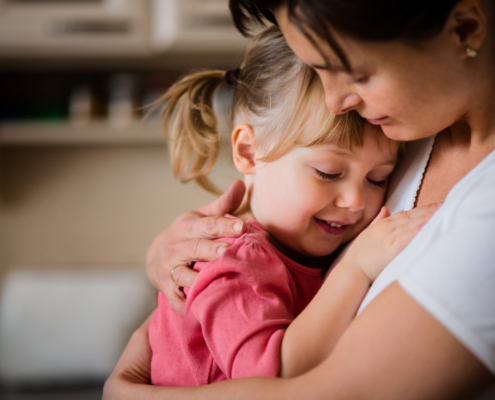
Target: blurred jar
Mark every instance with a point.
(80, 106)
(122, 95)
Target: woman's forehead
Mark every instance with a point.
(312, 48)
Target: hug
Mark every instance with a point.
(356, 259)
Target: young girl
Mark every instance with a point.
(315, 181)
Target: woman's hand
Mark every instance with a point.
(385, 238)
(188, 239)
(133, 368)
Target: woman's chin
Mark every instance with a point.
(404, 133)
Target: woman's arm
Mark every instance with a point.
(188, 239)
(393, 350)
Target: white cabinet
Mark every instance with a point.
(193, 26)
(115, 28)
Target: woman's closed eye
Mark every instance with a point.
(324, 175)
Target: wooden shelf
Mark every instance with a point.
(93, 133)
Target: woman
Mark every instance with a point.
(427, 327)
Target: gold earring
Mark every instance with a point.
(471, 52)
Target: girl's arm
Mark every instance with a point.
(314, 333)
(393, 350)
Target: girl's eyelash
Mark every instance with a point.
(380, 184)
(330, 177)
(360, 79)
(333, 177)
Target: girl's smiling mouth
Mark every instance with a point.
(332, 227)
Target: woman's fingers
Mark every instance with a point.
(187, 240)
(176, 300)
(183, 276)
(226, 203)
(198, 227)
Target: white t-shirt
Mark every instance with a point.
(449, 267)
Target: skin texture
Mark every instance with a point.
(394, 349)
(321, 182)
(418, 106)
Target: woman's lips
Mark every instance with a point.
(376, 121)
(332, 230)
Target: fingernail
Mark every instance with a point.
(221, 249)
(238, 227)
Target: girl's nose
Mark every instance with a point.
(352, 198)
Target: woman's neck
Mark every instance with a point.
(454, 155)
(461, 147)
(478, 122)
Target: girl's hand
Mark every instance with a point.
(385, 238)
(188, 239)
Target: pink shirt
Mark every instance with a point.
(236, 315)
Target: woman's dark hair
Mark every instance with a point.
(372, 20)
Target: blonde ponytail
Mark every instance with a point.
(191, 126)
(273, 90)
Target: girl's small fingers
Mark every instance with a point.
(384, 213)
(412, 225)
(419, 212)
(401, 241)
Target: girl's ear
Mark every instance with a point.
(244, 149)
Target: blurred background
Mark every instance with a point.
(85, 183)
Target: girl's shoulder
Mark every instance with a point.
(250, 261)
(252, 246)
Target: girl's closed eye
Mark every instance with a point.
(324, 175)
(378, 183)
(359, 79)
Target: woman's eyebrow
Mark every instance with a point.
(328, 67)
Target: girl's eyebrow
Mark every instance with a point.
(390, 161)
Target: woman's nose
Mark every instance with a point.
(342, 103)
(339, 97)
(351, 197)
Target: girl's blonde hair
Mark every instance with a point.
(275, 92)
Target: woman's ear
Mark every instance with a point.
(469, 21)
(244, 149)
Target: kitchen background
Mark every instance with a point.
(85, 183)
